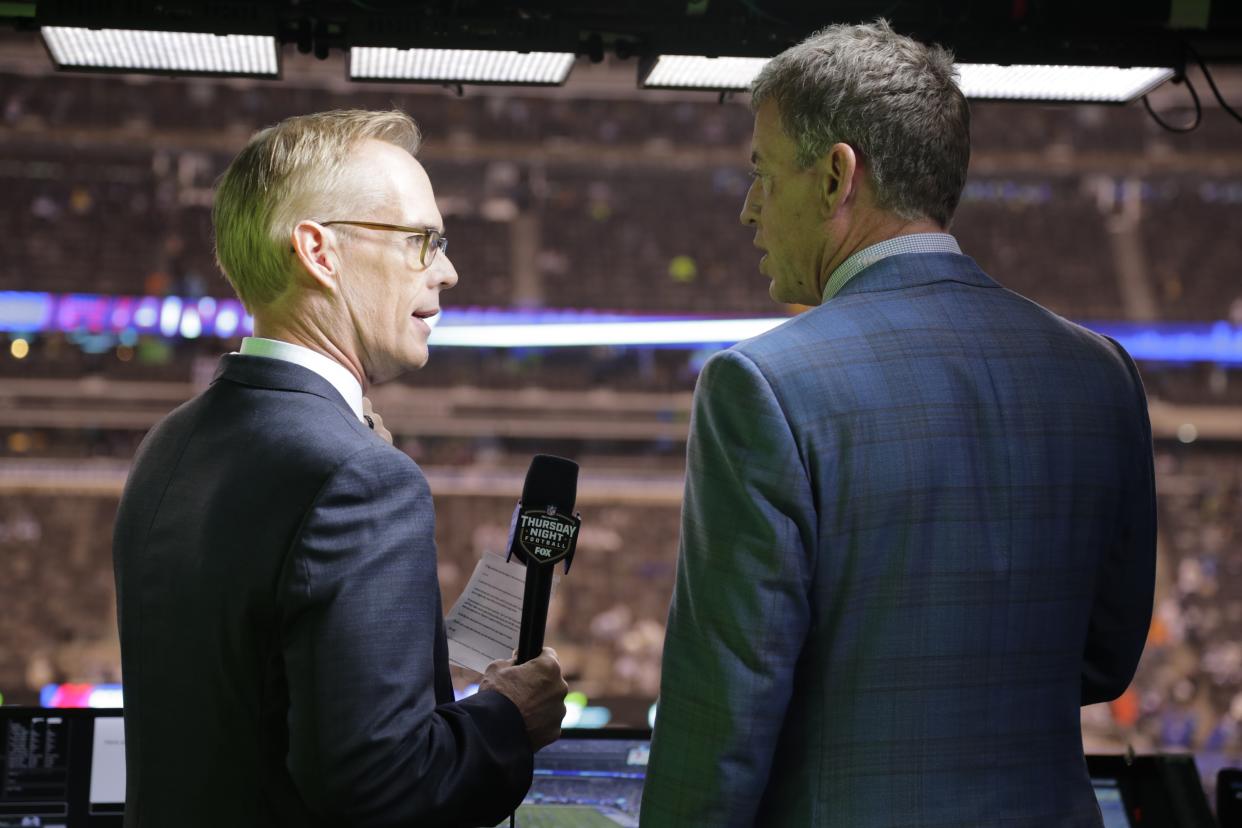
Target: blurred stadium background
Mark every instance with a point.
(591, 196)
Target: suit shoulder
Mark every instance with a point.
(790, 345)
(273, 428)
(1100, 346)
(382, 464)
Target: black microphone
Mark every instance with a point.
(544, 532)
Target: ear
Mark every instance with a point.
(835, 172)
(315, 249)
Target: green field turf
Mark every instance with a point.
(560, 816)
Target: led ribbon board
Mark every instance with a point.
(26, 313)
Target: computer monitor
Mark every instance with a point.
(1108, 794)
(65, 768)
(1163, 791)
(61, 768)
(588, 779)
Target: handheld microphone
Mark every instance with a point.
(544, 532)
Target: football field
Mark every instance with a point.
(560, 816)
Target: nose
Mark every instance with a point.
(750, 207)
(445, 275)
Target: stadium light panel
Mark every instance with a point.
(459, 66)
(1085, 84)
(980, 81)
(698, 72)
(191, 53)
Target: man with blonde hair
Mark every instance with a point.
(919, 527)
(282, 642)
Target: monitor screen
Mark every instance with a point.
(1108, 794)
(586, 779)
(61, 768)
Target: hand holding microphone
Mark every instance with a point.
(537, 689)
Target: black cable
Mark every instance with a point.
(1198, 109)
(1220, 99)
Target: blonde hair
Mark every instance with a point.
(287, 173)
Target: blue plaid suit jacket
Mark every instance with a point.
(918, 534)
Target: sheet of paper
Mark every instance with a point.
(484, 623)
(108, 762)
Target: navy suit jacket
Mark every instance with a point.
(282, 642)
(918, 534)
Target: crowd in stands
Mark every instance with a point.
(115, 197)
(57, 620)
(607, 617)
(1195, 264)
(1187, 694)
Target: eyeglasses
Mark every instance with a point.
(433, 240)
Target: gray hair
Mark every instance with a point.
(289, 172)
(894, 100)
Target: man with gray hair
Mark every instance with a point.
(282, 643)
(919, 522)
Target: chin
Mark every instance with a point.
(783, 295)
(395, 368)
(793, 294)
(415, 361)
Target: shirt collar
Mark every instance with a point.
(911, 243)
(331, 370)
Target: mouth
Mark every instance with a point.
(427, 318)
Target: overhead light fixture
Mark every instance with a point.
(1085, 84)
(722, 74)
(980, 81)
(159, 52)
(382, 63)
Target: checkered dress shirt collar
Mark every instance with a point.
(912, 243)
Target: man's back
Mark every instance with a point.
(288, 555)
(214, 499)
(948, 477)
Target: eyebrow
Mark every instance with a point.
(424, 225)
